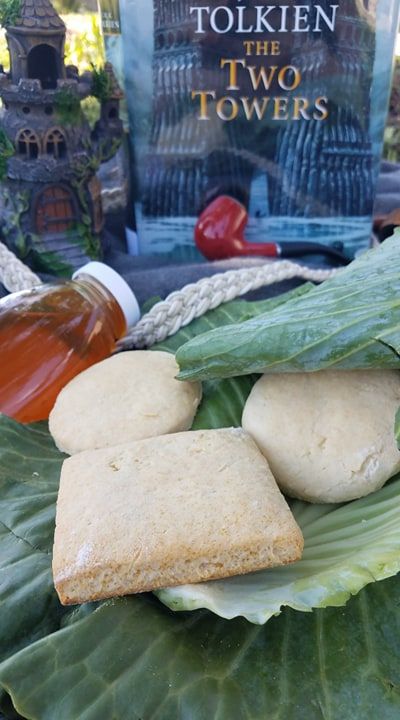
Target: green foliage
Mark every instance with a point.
(4, 54)
(391, 148)
(68, 107)
(9, 12)
(84, 168)
(134, 660)
(334, 326)
(101, 88)
(90, 107)
(7, 150)
(223, 400)
(47, 261)
(90, 242)
(15, 205)
(397, 428)
(84, 46)
(88, 164)
(28, 246)
(98, 661)
(67, 6)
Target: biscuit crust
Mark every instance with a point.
(130, 396)
(329, 435)
(167, 511)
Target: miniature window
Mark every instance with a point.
(55, 144)
(113, 113)
(43, 65)
(28, 144)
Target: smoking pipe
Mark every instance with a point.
(219, 234)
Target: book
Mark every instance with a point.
(282, 107)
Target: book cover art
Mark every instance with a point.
(279, 106)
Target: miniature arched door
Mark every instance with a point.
(43, 65)
(55, 210)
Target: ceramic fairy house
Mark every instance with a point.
(50, 196)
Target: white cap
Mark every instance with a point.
(117, 286)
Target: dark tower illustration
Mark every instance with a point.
(312, 168)
(189, 162)
(325, 168)
(50, 196)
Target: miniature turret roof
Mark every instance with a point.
(38, 15)
(115, 90)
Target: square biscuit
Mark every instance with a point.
(171, 510)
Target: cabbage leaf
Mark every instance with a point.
(133, 658)
(397, 428)
(351, 321)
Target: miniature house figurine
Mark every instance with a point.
(50, 197)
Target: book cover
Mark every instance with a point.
(280, 106)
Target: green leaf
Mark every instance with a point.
(349, 322)
(29, 474)
(135, 660)
(397, 428)
(231, 313)
(223, 400)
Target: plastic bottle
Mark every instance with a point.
(53, 332)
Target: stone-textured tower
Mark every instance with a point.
(50, 195)
(189, 162)
(325, 168)
(312, 168)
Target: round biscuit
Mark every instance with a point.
(328, 436)
(130, 396)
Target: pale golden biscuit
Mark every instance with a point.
(328, 436)
(130, 396)
(167, 511)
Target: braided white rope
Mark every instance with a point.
(14, 275)
(182, 306)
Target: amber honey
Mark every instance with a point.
(49, 335)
